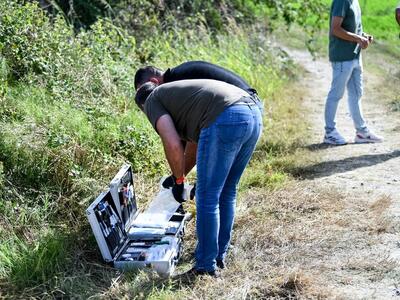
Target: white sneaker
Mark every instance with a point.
(367, 137)
(334, 138)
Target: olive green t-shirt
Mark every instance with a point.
(349, 10)
(192, 104)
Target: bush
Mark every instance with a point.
(68, 121)
(67, 113)
(144, 18)
(70, 106)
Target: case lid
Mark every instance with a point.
(107, 226)
(123, 194)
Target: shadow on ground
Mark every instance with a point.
(328, 168)
(321, 146)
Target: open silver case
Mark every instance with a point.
(111, 217)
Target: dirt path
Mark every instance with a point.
(367, 173)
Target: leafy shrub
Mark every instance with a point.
(144, 18)
(67, 119)
(69, 114)
(74, 116)
(18, 31)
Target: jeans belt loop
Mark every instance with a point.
(244, 103)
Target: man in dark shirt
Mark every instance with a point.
(346, 39)
(398, 14)
(226, 124)
(192, 70)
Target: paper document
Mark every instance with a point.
(151, 220)
(160, 210)
(164, 203)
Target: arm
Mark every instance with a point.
(172, 144)
(190, 156)
(398, 14)
(338, 31)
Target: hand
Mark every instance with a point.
(363, 42)
(169, 182)
(177, 191)
(369, 37)
(193, 192)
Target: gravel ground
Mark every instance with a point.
(369, 173)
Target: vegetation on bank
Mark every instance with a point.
(68, 122)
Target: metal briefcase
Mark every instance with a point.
(112, 218)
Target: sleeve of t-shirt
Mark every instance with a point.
(154, 110)
(339, 8)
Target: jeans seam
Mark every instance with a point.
(205, 167)
(358, 95)
(355, 88)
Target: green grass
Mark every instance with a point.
(379, 19)
(35, 263)
(68, 122)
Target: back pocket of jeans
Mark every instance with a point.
(232, 134)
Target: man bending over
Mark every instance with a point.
(192, 70)
(225, 122)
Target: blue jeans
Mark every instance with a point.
(345, 74)
(259, 103)
(223, 151)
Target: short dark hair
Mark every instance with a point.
(144, 74)
(143, 93)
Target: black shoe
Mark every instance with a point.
(220, 264)
(214, 273)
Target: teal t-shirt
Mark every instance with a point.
(349, 10)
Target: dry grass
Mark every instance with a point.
(299, 242)
(382, 223)
(296, 243)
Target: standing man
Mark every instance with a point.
(346, 39)
(192, 70)
(225, 122)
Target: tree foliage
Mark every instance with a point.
(142, 17)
